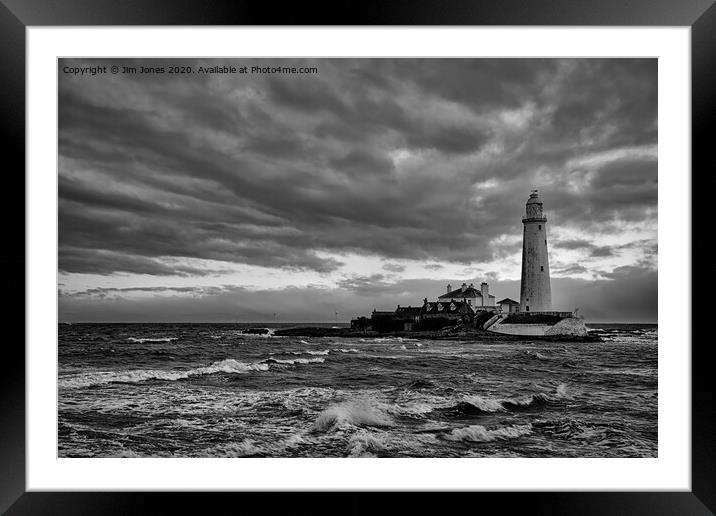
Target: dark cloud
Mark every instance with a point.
(578, 243)
(400, 158)
(602, 251)
(359, 161)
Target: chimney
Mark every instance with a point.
(449, 288)
(464, 287)
(485, 291)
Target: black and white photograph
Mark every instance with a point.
(357, 257)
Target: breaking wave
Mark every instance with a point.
(311, 352)
(474, 404)
(103, 377)
(364, 444)
(152, 339)
(353, 412)
(483, 404)
(478, 433)
(295, 361)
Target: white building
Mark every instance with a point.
(474, 297)
(535, 287)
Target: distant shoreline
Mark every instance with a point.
(305, 324)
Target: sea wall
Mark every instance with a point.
(573, 326)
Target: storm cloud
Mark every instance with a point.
(430, 160)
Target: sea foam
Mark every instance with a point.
(475, 403)
(134, 376)
(152, 339)
(296, 361)
(364, 444)
(478, 433)
(353, 412)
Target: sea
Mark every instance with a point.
(213, 390)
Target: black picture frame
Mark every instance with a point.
(17, 15)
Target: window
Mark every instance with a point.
(545, 241)
(528, 308)
(539, 227)
(541, 267)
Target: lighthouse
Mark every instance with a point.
(535, 289)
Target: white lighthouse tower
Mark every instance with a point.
(535, 289)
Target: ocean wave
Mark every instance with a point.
(420, 383)
(343, 350)
(474, 404)
(478, 433)
(134, 376)
(245, 448)
(389, 339)
(293, 361)
(535, 354)
(572, 429)
(353, 413)
(365, 444)
(484, 404)
(152, 339)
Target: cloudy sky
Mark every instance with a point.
(372, 183)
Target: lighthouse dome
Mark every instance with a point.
(534, 198)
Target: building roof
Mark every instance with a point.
(447, 307)
(457, 293)
(469, 292)
(508, 301)
(408, 310)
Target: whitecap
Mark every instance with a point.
(152, 339)
(298, 361)
(134, 376)
(365, 444)
(478, 433)
(353, 412)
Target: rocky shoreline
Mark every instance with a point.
(455, 333)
